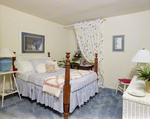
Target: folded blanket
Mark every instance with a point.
(53, 85)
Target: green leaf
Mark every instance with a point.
(146, 80)
(140, 78)
(147, 70)
(75, 59)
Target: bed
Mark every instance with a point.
(72, 94)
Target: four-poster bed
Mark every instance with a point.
(69, 89)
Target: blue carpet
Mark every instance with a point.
(105, 105)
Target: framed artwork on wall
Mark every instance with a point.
(32, 43)
(118, 43)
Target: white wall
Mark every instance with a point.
(12, 22)
(136, 30)
(73, 42)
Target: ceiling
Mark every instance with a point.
(68, 12)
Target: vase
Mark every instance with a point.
(148, 86)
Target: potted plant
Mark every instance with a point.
(144, 74)
(77, 55)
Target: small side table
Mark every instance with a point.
(85, 67)
(11, 90)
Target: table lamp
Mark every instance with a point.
(142, 57)
(5, 63)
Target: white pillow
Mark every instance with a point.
(54, 62)
(23, 65)
(35, 62)
(40, 68)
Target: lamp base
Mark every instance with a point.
(5, 64)
(142, 64)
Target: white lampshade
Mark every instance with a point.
(6, 52)
(142, 56)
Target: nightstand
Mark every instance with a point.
(85, 67)
(4, 92)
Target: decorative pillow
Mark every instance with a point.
(23, 65)
(35, 62)
(50, 68)
(40, 68)
(55, 63)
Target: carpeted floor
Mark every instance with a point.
(105, 105)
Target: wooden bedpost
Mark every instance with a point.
(67, 87)
(49, 54)
(96, 64)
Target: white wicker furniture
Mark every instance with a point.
(136, 107)
(4, 93)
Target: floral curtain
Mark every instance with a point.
(90, 39)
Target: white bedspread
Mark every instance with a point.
(24, 75)
(77, 98)
(81, 90)
(38, 78)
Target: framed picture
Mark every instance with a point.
(32, 43)
(118, 43)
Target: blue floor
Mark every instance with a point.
(105, 105)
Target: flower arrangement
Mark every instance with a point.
(144, 73)
(77, 55)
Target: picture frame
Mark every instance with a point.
(118, 43)
(32, 43)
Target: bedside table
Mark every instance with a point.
(4, 92)
(85, 67)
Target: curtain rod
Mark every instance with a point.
(72, 25)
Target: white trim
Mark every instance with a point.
(71, 27)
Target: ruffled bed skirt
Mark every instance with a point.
(77, 98)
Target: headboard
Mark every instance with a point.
(14, 58)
